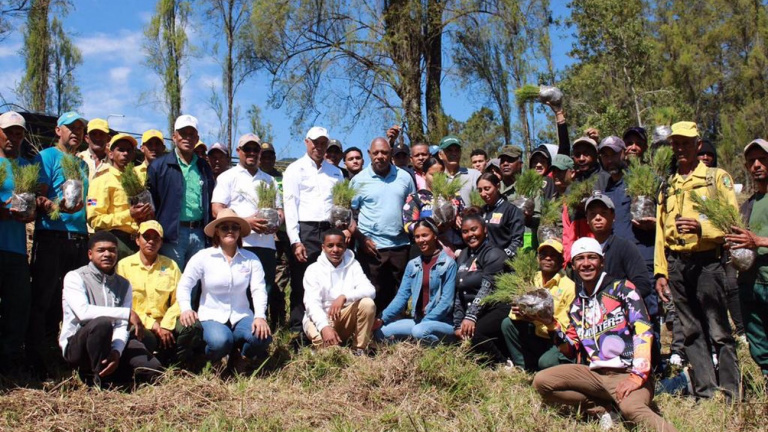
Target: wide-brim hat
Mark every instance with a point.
(227, 215)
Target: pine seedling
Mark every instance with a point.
(529, 184)
(579, 191)
(55, 213)
(267, 195)
(3, 174)
(131, 182)
(444, 188)
(71, 168)
(25, 178)
(641, 179)
(527, 93)
(662, 160)
(475, 199)
(524, 266)
(720, 213)
(551, 212)
(343, 192)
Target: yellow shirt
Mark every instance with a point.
(141, 171)
(107, 205)
(154, 289)
(95, 165)
(563, 291)
(677, 203)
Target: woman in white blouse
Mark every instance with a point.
(226, 272)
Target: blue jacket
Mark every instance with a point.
(166, 184)
(442, 288)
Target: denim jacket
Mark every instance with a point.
(442, 287)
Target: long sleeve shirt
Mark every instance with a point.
(154, 289)
(563, 292)
(505, 225)
(107, 206)
(477, 270)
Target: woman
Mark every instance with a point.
(226, 271)
(428, 287)
(504, 221)
(478, 266)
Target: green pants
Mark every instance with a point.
(528, 350)
(754, 310)
(189, 340)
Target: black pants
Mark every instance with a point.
(54, 254)
(276, 297)
(15, 298)
(385, 272)
(310, 236)
(489, 339)
(732, 298)
(189, 341)
(92, 343)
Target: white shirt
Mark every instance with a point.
(224, 285)
(307, 193)
(236, 189)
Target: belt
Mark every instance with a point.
(321, 224)
(62, 235)
(706, 256)
(191, 224)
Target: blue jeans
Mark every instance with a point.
(221, 338)
(190, 242)
(430, 332)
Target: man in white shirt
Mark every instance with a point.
(338, 297)
(236, 189)
(307, 202)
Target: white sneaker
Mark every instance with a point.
(675, 360)
(609, 420)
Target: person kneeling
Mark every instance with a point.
(97, 310)
(428, 287)
(528, 339)
(338, 297)
(609, 326)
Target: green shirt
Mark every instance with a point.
(192, 203)
(758, 223)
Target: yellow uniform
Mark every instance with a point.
(563, 290)
(107, 206)
(154, 289)
(676, 202)
(141, 171)
(95, 165)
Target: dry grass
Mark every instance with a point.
(404, 388)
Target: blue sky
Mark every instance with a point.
(114, 80)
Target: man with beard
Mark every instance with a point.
(636, 140)
(97, 136)
(152, 146)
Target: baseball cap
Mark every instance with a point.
(763, 144)
(185, 120)
(200, 143)
(267, 147)
(247, 138)
(12, 118)
(401, 148)
(612, 142)
(585, 139)
(335, 143)
(586, 245)
(220, 147)
(599, 197)
(449, 141)
(562, 162)
(511, 151)
(554, 244)
(316, 132)
(685, 129)
(637, 130)
(151, 225)
(121, 137)
(152, 133)
(492, 163)
(98, 124)
(542, 150)
(70, 117)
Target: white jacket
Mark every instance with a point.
(324, 283)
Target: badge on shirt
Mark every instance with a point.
(727, 182)
(495, 218)
(91, 202)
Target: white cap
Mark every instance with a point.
(316, 132)
(12, 118)
(184, 121)
(586, 245)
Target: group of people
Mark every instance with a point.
(196, 273)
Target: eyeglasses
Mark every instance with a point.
(228, 228)
(250, 149)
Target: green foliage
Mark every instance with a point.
(342, 193)
(529, 184)
(579, 192)
(25, 178)
(551, 212)
(720, 213)
(64, 58)
(33, 88)
(444, 188)
(4, 174)
(55, 213)
(131, 182)
(524, 266)
(458, 375)
(71, 168)
(267, 195)
(641, 179)
(474, 198)
(527, 93)
(482, 130)
(661, 161)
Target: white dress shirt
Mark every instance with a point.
(307, 193)
(224, 285)
(236, 189)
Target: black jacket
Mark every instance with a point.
(623, 261)
(475, 279)
(505, 224)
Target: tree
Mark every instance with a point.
(482, 130)
(10, 10)
(258, 126)
(33, 88)
(167, 47)
(65, 57)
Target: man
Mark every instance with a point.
(636, 140)
(353, 161)
(181, 185)
(97, 137)
(218, 158)
(107, 206)
(59, 245)
(15, 296)
(610, 328)
(450, 153)
(15, 128)
(419, 154)
(97, 310)
(152, 146)
(479, 159)
(334, 154)
(383, 245)
(276, 295)
(201, 150)
(236, 189)
(541, 158)
(401, 155)
(338, 297)
(528, 339)
(562, 174)
(307, 200)
(153, 279)
(510, 164)
(585, 160)
(688, 261)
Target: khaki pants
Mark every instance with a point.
(576, 385)
(356, 321)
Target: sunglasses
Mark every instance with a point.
(251, 149)
(229, 227)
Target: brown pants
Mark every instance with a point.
(355, 321)
(576, 385)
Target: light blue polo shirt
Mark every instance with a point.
(380, 203)
(52, 176)
(13, 234)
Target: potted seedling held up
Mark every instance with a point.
(550, 223)
(643, 181)
(549, 95)
(136, 190)
(72, 188)
(267, 195)
(444, 192)
(341, 213)
(723, 216)
(24, 189)
(527, 187)
(518, 288)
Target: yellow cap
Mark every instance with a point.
(554, 244)
(120, 137)
(685, 129)
(152, 133)
(201, 143)
(151, 225)
(98, 124)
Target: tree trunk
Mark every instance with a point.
(433, 33)
(229, 71)
(173, 78)
(38, 63)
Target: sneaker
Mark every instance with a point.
(358, 352)
(609, 420)
(675, 360)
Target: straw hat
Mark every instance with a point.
(227, 215)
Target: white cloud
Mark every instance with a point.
(10, 50)
(125, 45)
(119, 75)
